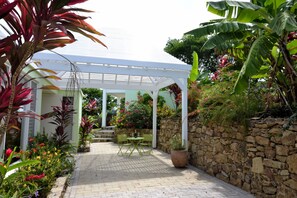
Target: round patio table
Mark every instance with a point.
(135, 141)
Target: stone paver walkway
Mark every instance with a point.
(102, 173)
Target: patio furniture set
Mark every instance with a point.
(141, 144)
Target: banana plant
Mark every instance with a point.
(31, 26)
(269, 25)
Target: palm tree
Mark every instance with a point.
(271, 27)
(31, 26)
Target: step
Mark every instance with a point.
(105, 131)
(104, 136)
(102, 139)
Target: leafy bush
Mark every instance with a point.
(85, 135)
(62, 118)
(36, 179)
(218, 104)
(176, 143)
(139, 116)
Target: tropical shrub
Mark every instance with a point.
(33, 26)
(13, 182)
(85, 135)
(54, 163)
(62, 118)
(40, 165)
(218, 105)
(139, 116)
(271, 57)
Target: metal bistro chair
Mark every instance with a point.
(147, 142)
(123, 142)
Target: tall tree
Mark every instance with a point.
(272, 26)
(31, 26)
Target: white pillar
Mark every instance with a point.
(155, 101)
(182, 83)
(2, 146)
(185, 113)
(104, 107)
(25, 130)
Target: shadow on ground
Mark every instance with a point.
(106, 168)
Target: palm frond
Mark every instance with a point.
(259, 52)
(222, 27)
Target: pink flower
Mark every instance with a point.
(8, 152)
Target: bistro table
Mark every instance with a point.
(135, 141)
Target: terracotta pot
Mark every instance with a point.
(179, 158)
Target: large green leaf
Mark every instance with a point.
(275, 4)
(259, 52)
(217, 8)
(283, 21)
(219, 27)
(292, 47)
(21, 164)
(222, 40)
(229, 8)
(194, 72)
(244, 5)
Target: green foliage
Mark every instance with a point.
(176, 143)
(183, 49)
(194, 72)
(218, 105)
(139, 113)
(139, 116)
(93, 94)
(9, 174)
(62, 118)
(85, 135)
(36, 179)
(271, 28)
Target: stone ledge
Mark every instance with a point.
(59, 188)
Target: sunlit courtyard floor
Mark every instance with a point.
(103, 173)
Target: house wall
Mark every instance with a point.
(261, 159)
(54, 99)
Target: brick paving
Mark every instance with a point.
(102, 173)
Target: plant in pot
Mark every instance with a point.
(179, 153)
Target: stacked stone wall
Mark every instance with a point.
(260, 158)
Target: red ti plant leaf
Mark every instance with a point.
(6, 7)
(73, 2)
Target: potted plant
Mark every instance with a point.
(179, 153)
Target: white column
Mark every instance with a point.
(182, 83)
(25, 130)
(155, 101)
(2, 146)
(104, 107)
(185, 113)
(119, 101)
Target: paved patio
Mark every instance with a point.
(102, 173)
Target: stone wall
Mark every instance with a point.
(261, 158)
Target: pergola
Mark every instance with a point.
(122, 74)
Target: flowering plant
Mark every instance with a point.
(86, 127)
(10, 176)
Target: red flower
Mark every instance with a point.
(8, 152)
(31, 139)
(41, 144)
(34, 150)
(34, 177)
